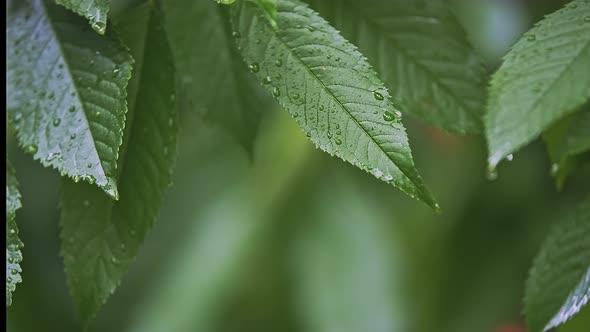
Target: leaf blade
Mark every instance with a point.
(100, 237)
(420, 50)
(95, 11)
(66, 91)
(530, 92)
(559, 281)
(304, 56)
(237, 102)
(13, 243)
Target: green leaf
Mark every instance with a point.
(211, 76)
(94, 10)
(559, 282)
(13, 243)
(100, 237)
(565, 141)
(421, 52)
(66, 90)
(544, 77)
(330, 90)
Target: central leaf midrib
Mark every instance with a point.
(343, 107)
(73, 82)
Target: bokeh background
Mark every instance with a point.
(295, 240)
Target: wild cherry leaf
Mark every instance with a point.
(326, 84)
(543, 78)
(566, 140)
(421, 52)
(212, 79)
(101, 237)
(13, 243)
(66, 91)
(94, 10)
(559, 282)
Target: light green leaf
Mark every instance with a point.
(212, 79)
(66, 91)
(544, 77)
(559, 282)
(565, 140)
(330, 90)
(100, 237)
(13, 243)
(94, 10)
(421, 52)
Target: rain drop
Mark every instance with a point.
(377, 95)
(278, 63)
(99, 27)
(330, 135)
(388, 116)
(276, 92)
(73, 136)
(97, 114)
(236, 34)
(267, 80)
(254, 67)
(31, 149)
(56, 122)
(116, 72)
(338, 141)
(89, 165)
(72, 109)
(509, 157)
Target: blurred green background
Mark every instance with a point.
(295, 240)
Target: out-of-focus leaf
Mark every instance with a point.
(565, 140)
(212, 78)
(94, 10)
(331, 91)
(559, 282)
(421, 52)
(100, 237)
(543, 78)
(66, 91)
(13, 243)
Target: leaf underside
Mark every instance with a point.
(95, 11)
(66, 91)
(100, 237)
(330, 89)
(559, 282)
(13, 243)
(230, 99)
(421, 52)
(543, 78)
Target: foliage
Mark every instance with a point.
(99, 101)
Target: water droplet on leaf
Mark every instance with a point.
(377, 95)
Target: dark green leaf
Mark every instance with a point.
(330, 90)
(565, 140)
(100, 237)
(212, 78)
(544, 77)
(13, 243)
(66, 91)
(94, 10)
(559, 282)
(421, 52)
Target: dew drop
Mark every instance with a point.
(509, 157)
(97, 114)
(89, 165)
(377, 95)
(267, 80)
(56, 122)
(52, 156)
(114, 260)
(388, 116)
(72, 136)
(72, 109)
(116, 72)
(254, 67)
(338, 141)
(31, 149)
(276, 92)
(321, 107)
(296, 96)
(337, 126)
(330, 135)
(99, 27)
(236, 34)
(278, 63)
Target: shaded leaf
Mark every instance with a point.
(330, 90)
(421, 52)
(66, 91)
(101, 237)
(13, 243)
(565, 141)
(211, 76)
(94, 10)
(543, 78)
(559, 282)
